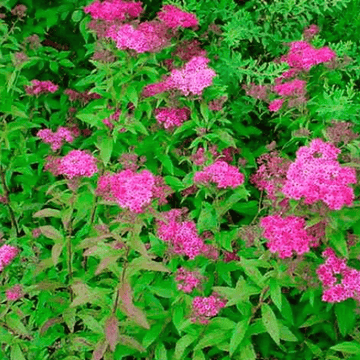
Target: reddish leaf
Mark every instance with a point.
(47, 213)
(100, 350)
(51, 233)
(129, 308)
(112, 332)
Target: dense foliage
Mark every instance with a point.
(179, 179)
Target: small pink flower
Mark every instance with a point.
(276, 105)
(7, 254)
(204, 308)
(221, 173)
(187, 280)
(41, 87)
(14, 293)
(173, 17)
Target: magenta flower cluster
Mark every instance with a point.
(173, 17)
(192, 78)
(221, 173)
(41, 87)
(75, 164)
(187, 280)
(131, 190)
(182, 235)
(56, 139)
(171, 117)
(111, 10)
(14, 293)
(286, 235)
(7, 254)
(349, 285)
(316, 175)
(204, 308)
(302, 56)
(149, 36)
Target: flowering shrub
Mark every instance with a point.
(179, 180)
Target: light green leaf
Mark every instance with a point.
(106, 147)
(275, 293)
(345, 317)
(16, 353)
(270, 322)
(182, 344)
(212, 339)
(238, 335)
(132, 94)
(347, 347)
(77, 15)
(207, 219)
(48, 213)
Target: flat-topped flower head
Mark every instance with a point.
(41, 87)
(111, 10)
(7, 254)
(286, 235)
(173, 17)
(221, 173)
(316, 175)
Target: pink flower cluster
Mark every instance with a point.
(171, 117)
(198, 158)
(286, 235)
(350, 283)
(302, 56)
(132, 190)
(317, 175)
(7, 254)
(174, 17)
(111, 10)
(294, 87)
(205, 307)
(221, 173)
(14, 293)
(56, 139)
(187, 280)
(149, 36)
(192, 78)
(76, 163)
(41, 87)
(182, 235)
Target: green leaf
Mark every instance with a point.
(106, 147)
(51, 233)
(182, 344)
(66, 63)
(338, 241)
(269, 320)
(316, 350)
(16, 353)
(275, 293)
(160, 352)
(207, 218)
(345, 317)
(131, 343)
(225, 137)
(166, 162)
(212, 338)
(238, 335)
(204, 110)
(347, 347)
(90, 119)
(132, 94)
(91, 323)
(286, 334)
(77, 15)
(174, 182)
(247, 352)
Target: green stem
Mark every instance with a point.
(69, 247)
(122, 280)
(6, 193)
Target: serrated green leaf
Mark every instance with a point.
(16, 353)
(275, 293)
(347, 347)
(182, 344)
(207, 218)
(212, 338)
(345, 317)
(106, 147)
(174, 182)
(132, 94)
(238, 335)
(270, 322)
